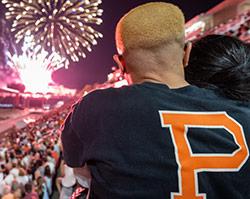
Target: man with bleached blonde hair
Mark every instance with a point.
(150, 42)
(149, 140)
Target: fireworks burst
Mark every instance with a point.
(61, 26)
(35, 65)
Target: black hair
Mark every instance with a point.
(221, 61)
(28, 187)
(47, 171)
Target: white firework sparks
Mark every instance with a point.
(61, 26)
(35, 65)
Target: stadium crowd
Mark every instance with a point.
(29, 158)
(239, 27)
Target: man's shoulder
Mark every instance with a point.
(107, 93)
(101, 92)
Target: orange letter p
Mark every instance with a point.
(189, 164)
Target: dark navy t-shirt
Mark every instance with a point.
(148, 141)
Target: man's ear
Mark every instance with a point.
(187, 51)
(120, 62)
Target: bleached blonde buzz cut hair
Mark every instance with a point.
(149, 25)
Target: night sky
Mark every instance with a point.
(98, 63)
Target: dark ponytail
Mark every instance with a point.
(221, 61)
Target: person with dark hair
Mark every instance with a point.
(221, 61)
(39, 169)
(41, 188)
(159, 137)
(48, 179)
(29, 192)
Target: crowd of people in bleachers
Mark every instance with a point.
(238, 27)
(29, 159)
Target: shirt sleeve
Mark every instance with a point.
(73, 146)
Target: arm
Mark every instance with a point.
(72, 143)
(83, 176)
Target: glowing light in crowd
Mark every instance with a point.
(62, 26)
(196, 26)
(35, 65)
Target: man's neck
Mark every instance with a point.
(172, 80)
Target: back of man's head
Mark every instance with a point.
(150, 25)
(151, 39)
